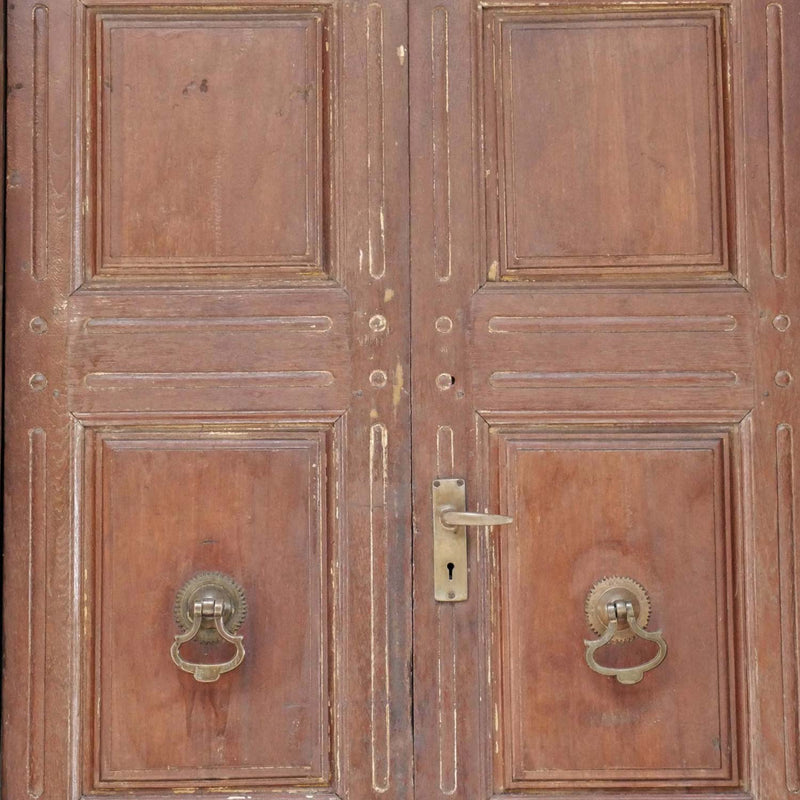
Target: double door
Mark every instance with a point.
(289, 287)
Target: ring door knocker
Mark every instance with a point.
(617, 609)
(210, 607)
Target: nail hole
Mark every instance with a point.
(378, 378)
(377, 323)
(445, 380)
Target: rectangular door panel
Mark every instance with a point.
(603, 508)
(574, 124)
(197, 116)
(249, 501)
(207, 366)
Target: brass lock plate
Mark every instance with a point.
(450, 582)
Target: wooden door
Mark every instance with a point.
(604, 250)
(207, 362)
(217, 338)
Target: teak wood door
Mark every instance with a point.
(275, 268)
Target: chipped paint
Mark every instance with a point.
(397, 386)
(401, 55)
(388, 295)
(493, 269)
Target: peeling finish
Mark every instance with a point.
(397, 385)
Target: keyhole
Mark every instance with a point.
(450, 567)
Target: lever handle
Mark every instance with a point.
(450, 521)
(452, 518)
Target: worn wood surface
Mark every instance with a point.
(604, 215)
(267, 263)
(208, 265)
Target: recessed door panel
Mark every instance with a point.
(162, 506)
(595, 506)
(209, 140)
(573, 114)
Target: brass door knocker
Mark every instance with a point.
(210, 607)
(618, 609)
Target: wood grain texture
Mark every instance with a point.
(37, 607)
(376, 141)
(608, 144)
(198, 220)
(612, 522)
(440, 107)
(788, 573)
(216, 202)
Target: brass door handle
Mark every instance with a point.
(210, 607)
(618, 608)
(450, 521)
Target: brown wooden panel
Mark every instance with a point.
(276, 350)
(659, 509)
(209, 142)
(620, 350)
(216, 293)
(161, 505)
(576, 129)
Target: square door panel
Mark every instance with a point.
(161, 504)
(209, 143)
(605, 139)
(655, 507)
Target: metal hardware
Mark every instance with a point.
(617, 609)
(210, 607)
(450, 538)
(612, 590)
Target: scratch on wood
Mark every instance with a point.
(788, 571)
(397, 385)
(440, 131)
(37, 615)
(40, 161)
(380, 720)
(376, 140)
(777, 140)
